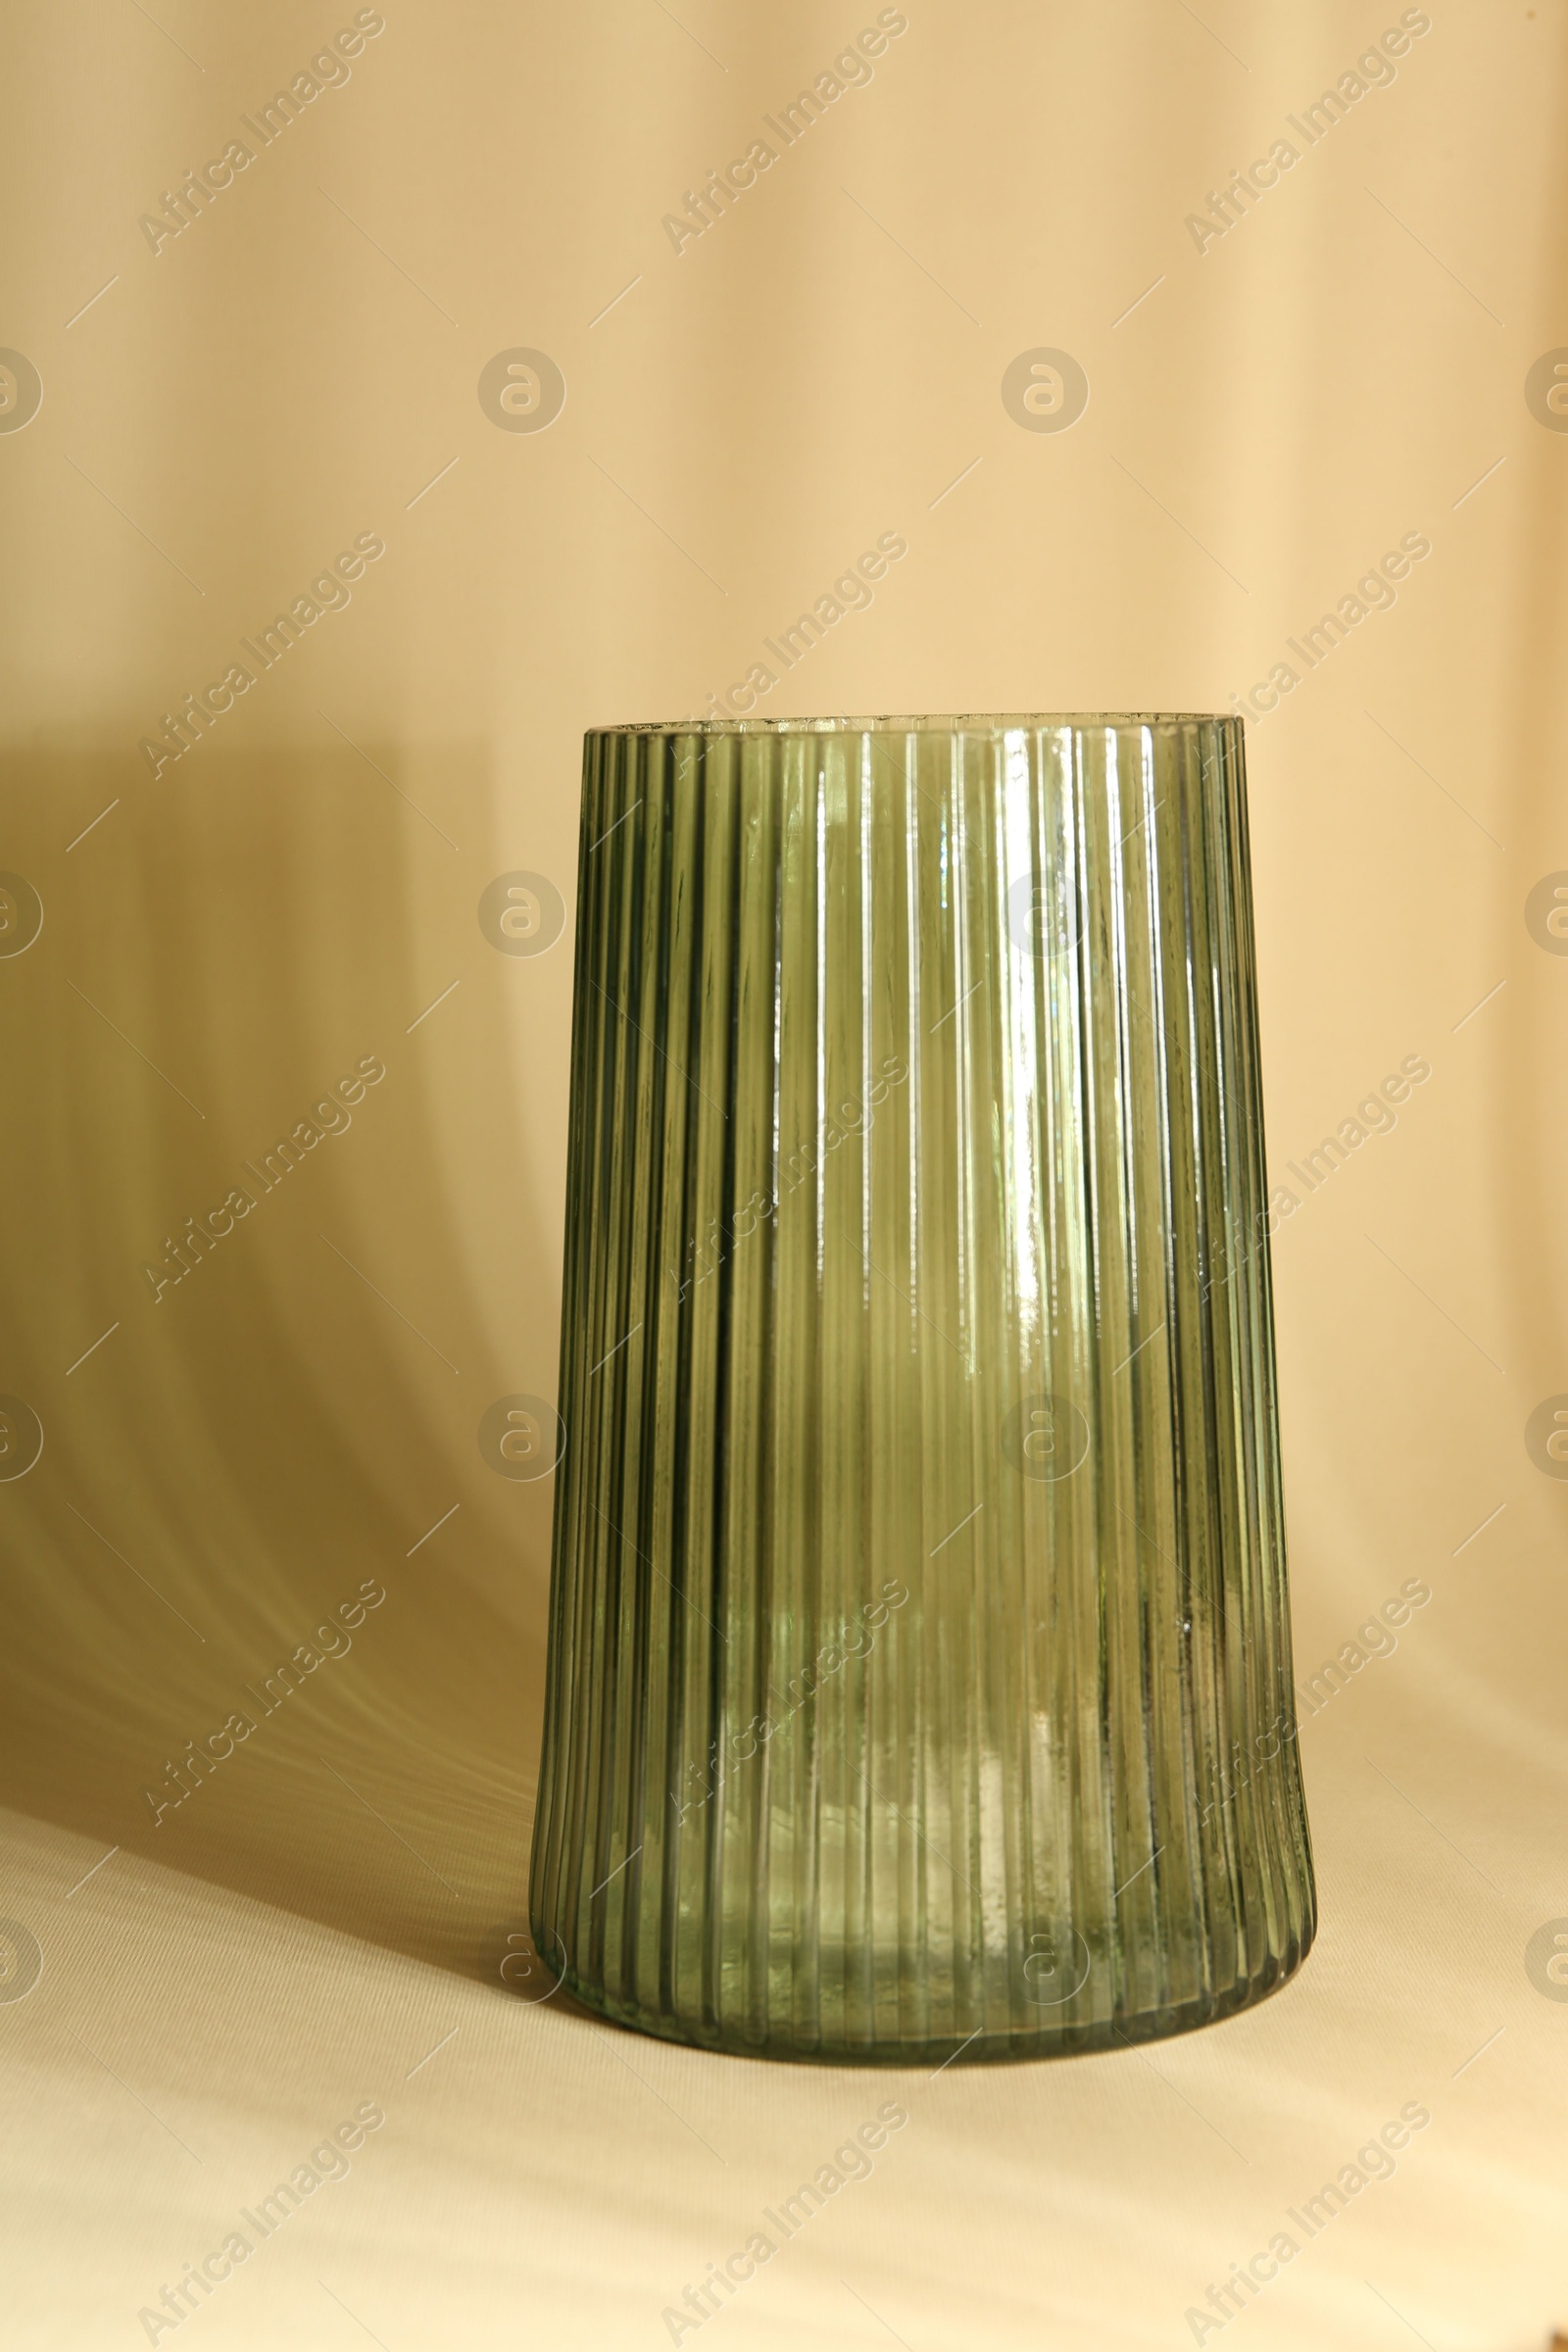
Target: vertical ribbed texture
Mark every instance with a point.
(919, 1664)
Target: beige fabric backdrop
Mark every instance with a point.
(322, 1925)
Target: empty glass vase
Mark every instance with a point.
(919, 1674)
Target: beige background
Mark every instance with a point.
(295, 368)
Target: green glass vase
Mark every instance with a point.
(919, 1674)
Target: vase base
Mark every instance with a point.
(1012, 2043)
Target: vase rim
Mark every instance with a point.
(923, 722)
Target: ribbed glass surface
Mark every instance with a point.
(919, 1666)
